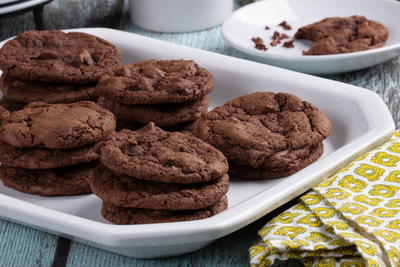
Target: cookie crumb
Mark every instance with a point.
(259, 43)
(285, 25)
(267, 27)
(284, 36)
(288, 44)
(276, 39)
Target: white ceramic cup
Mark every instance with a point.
(179, 15)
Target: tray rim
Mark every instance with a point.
(217, 226)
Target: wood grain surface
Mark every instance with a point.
(23, 246)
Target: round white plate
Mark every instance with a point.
(249, 21)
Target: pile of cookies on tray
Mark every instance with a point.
(50, 149)
(169, 159)
(152, 176)
(53, 67)
(170, 93)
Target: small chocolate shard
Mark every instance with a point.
(285, 25)
(85, 57)
(276, 39)
(284, 36)
(259, 43)
(288, 44)
(267, 27)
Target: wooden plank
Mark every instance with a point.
(24, 246)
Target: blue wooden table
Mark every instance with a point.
(23, 246)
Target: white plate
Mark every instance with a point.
(19, 6)
(249, 21)
(360, 120)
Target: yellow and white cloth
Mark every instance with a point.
(351, 219)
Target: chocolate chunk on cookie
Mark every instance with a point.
(120, 215)
(56, 56)
(253, 129)
(43, 158)
(170, 157)
(162, 115)
(157, 82)
(338, 35)
(57, 126)
(28, 91)
(72, 180)
(125, 191)
(298, 163)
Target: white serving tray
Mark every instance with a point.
(360, 120)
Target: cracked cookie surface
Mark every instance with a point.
(162, 115)
(338, 35)
(157, 82)
(170, 157)
(57, 126)
(264, 129)
(56, 56)
(27, 92)
(120, 215)
(125, 191)
(72, 180)
(43, 158)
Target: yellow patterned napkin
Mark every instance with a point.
(350, 220)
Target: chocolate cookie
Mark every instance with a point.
(170, 157)
(57, 126)
(245, 172)
(162, 115)
(343, 35)
(125, 191)
(56, 56)
(121, 215)
(43, 158)
(65, 181)
(28, 91)
(157, 82)
(253, 129)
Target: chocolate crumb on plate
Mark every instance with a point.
(285, 25)
(284, 36)
(288, 44)
(259, 43)
(267, 27)
(276, 39)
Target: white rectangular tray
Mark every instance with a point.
(360, 120)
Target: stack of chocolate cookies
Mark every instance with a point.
(170, 93)
(154, 176)
(265, 135)
(50, 149)
(53, 67)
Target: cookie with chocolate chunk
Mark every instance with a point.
(65, 181)
(57, 126)
(44, 158)
(120, 215)
(264, 130)
(163, 115)
(156, 155)
(338, 35)
(27, 91)
(126, 191)
(156, 82)
(56, 56)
